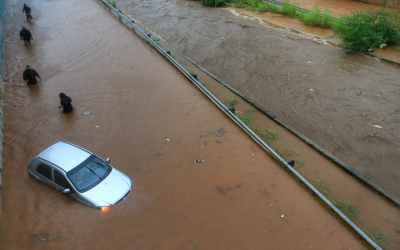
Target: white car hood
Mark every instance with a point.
(109, 191)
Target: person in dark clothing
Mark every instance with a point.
(30, 76)
(65, 103)
(27, 10)
(26, 36)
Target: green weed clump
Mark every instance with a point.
(245, 118)
(366, 31)
(113, 3)
(267, 135)
(317, 18)
(349, 210)
(215, 3)
(288, 10)
(254, 5)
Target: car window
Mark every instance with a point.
(89, 173)
(60, 180)
(44, 170)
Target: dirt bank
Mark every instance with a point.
(347, 104)
(133, 106)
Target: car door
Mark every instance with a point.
(60, 181)
(44, 172)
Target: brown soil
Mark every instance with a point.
(135, 107)
(336, 7)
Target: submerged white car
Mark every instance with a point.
(74, 170)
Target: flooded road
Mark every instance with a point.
(348, 104)
(200, 183)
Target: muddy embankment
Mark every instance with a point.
(347, 104)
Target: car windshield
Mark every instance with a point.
(89, 173)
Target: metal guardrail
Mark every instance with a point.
(132, 24)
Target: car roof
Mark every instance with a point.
(64, 155)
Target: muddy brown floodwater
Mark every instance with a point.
(348, 104)
(200, 183)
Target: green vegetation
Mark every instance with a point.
(288, 10)
(314, 17)
(267, 135)
(113, 3)
(317, 18)
(245, 118)
(378, 237)
(366, 31)
(215, 3)
(360, 32)
(349, 210)
(232, 103)
(256, 5)
(322, 187)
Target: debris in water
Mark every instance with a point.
(167, 140)
(282, 216)
(311, 90)
(199, 161)
(97, 126)
(291, 163)
(377, 126)
(220, 132)
(86, 113)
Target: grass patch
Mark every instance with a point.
(322, 187)
(288, 10)
(378, 237)
(317, 18)
(349, 210)
(366, 31)
(231, 103)
(267, 135)
(245, 118)
(215, 3)
(254, 5)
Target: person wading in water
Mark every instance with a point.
(30, 76)
(65, 103)
(26, 36)
(27, 10)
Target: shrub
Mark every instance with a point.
(214, 3)
(366, 31)
(317, 18)
(288, 10)
(255, 5)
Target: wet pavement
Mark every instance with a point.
(200, 182)
(348, 104)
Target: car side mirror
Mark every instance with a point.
(108, 160)
(66, 191)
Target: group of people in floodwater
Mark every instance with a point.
(30, 75)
